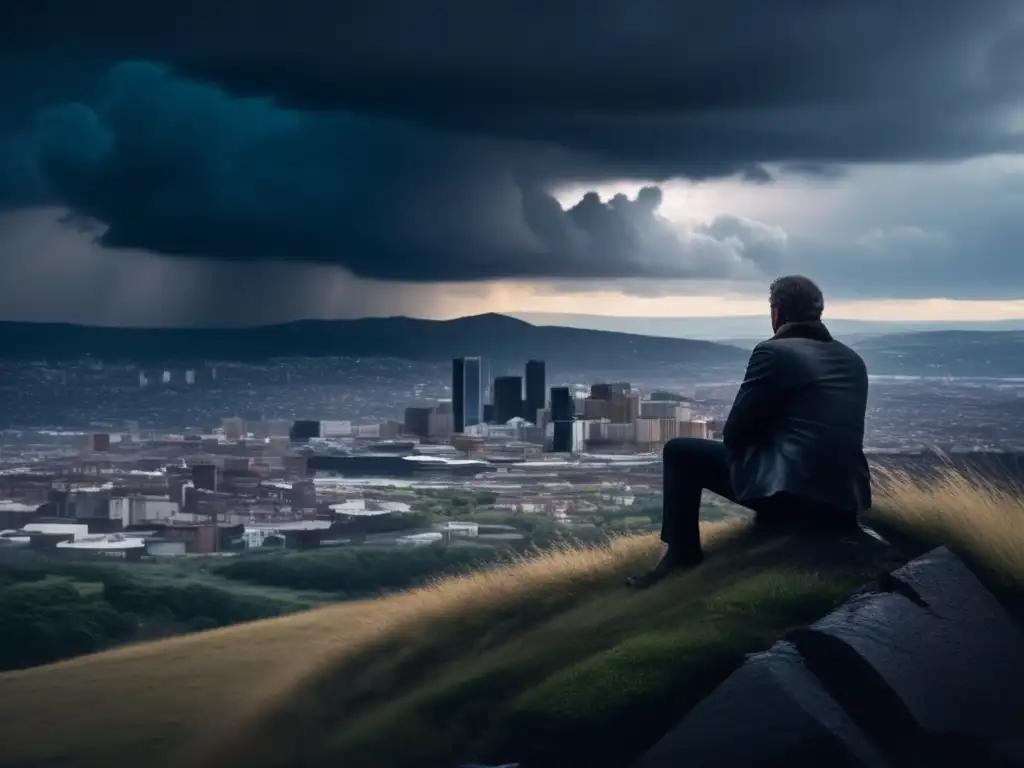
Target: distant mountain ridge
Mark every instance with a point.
(504, 340)
(998, 354)
(751, 328)
(495, 336)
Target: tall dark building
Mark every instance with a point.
(605, 391)
(467, 392)
(672, 397)
(508, 398)
(561, 441)
(561, 404)
(204, 476)
(488, 413)
(561, 416)
(536, 390)
(303, 430)
(458, 374)
(417, 420)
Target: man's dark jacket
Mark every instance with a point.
(797, 425)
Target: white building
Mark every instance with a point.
(420, 539)
(166, 548)
(10, 539)
(78, 530)
(112, 545)
(17, 506)
(367, 430)
(459, 528)
(256, 535)
(664, 409)
(335, 428)
(134, 510)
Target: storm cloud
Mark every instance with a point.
(420, 142)
(183, 168)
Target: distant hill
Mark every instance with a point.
(956, 353)
(503, 339)
(750, 328)
(495, 336)
(945, 353)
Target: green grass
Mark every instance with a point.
(605, 689)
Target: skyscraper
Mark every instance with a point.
(561, 417)
(467, 392)
(508, 398)
(561, 404)
(561, 440)
(417, 420)
(605, 391)
(536, 390)
(458, 409)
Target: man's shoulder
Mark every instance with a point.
(798, 347)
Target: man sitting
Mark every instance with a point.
(792, 446)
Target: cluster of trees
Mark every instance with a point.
(43, 619)
(389, 523)
(358, 572)
(453, 502)
(44, 623)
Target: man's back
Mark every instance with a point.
(797, 426)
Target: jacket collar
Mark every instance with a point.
(811, 329)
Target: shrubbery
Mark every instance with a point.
(357, 572)
(46, 622)
(209, 606)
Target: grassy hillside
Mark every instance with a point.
(533, 662)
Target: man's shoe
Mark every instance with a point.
(670, 562)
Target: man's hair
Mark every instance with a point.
(796, 299)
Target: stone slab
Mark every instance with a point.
(942, 643)
(1009, 753)
(770, 712)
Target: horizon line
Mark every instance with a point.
(518, 316)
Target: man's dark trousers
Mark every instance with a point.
(691, 465)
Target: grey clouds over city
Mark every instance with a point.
(424, 143)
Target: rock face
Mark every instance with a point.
(770, 710)
(927, 668)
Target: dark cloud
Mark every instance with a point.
(686, 87)
(182, 168)
(421, 141)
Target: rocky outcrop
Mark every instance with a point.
(925, 667)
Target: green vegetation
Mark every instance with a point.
(359, 572)
(41, 623)
(452, 502)
(594, 686)
(60, 610)
(53, 611)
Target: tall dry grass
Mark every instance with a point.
(978, 518)
(538, 613)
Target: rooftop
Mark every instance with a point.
(101, 541)
(17, 506)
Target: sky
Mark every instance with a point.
(184, 164)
